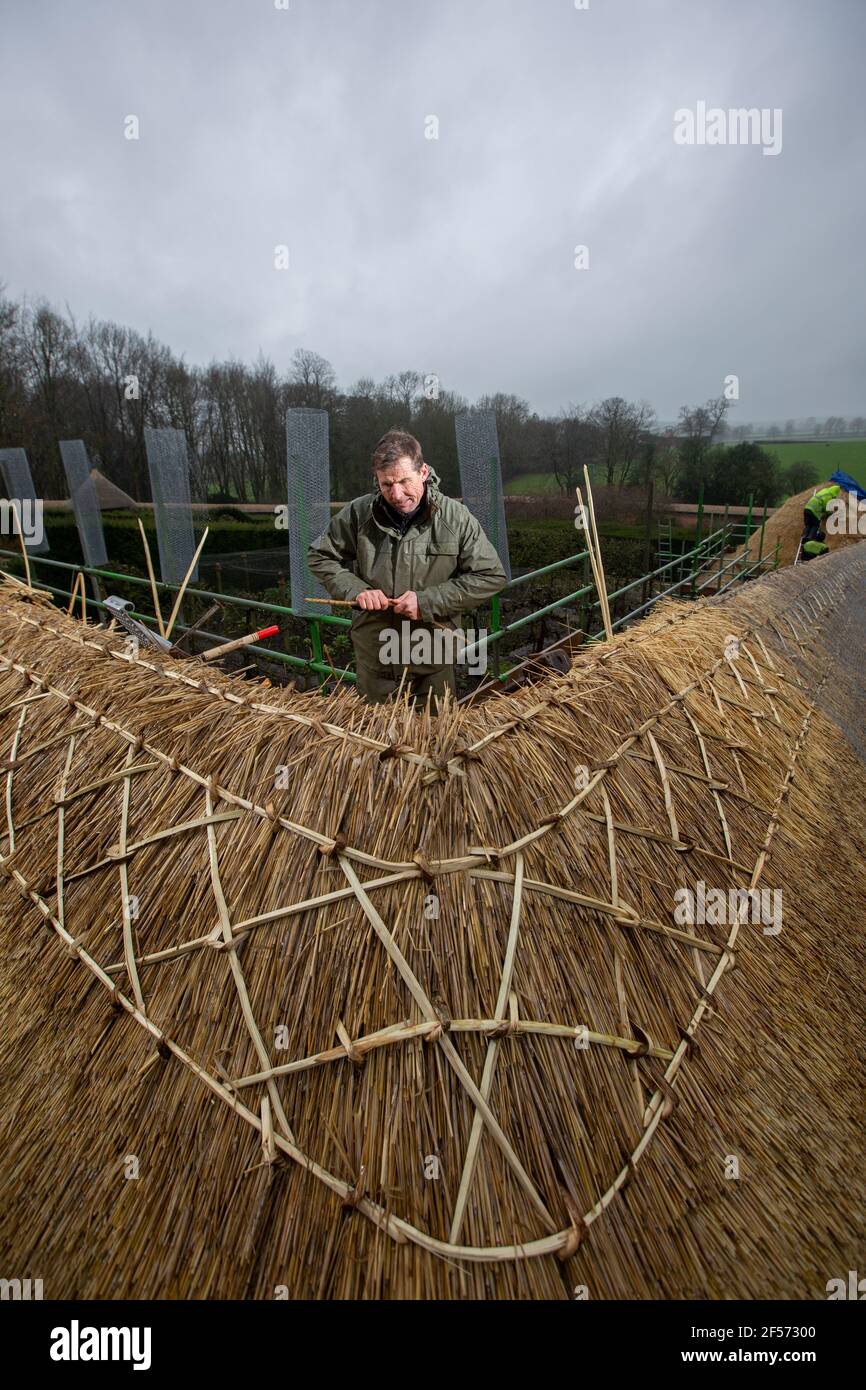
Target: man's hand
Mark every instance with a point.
(373, 599)
(407, 605)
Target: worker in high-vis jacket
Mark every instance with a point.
(412, 559)
(815, 546)
(814, 513)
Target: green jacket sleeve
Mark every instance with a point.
(331, 556)
(478, 576)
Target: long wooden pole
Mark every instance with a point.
(23, 548)
(593, 560)
(182, 590)
(78, 579)
(602, 591)
(153, 589)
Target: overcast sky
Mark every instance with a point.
(261, 127)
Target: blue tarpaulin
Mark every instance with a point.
(847, 482)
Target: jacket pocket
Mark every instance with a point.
(440, 562)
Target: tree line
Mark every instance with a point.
(105, 383)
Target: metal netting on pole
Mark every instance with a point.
(481, 477)
(85, 503)
(309, 496)
(21, 493)
(168, 465)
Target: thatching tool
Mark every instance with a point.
(199, 622)
(238, 642)
(119, 609)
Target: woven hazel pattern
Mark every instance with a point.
(536, 1036)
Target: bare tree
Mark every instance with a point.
(314, 378)
(621, 427)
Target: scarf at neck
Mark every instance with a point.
(403, 520)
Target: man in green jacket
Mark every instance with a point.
(405, 552)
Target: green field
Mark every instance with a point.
(541, 484)
(847, 454)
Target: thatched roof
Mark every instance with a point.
(109, 495)
(786, 525)
(290, 931)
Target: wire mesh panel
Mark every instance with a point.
(85, 503)
(18, 481)
(309, 478)
(168, 465)
(481, 477)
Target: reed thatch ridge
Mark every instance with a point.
(312, 997)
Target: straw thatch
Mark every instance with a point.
(786, 525)
(537, 1090)
(109, 496)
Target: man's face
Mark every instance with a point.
(401, 485)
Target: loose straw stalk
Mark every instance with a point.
(182, 590)
(71, 603)
(593, 560)
(156, 607)
(23, 548)
(602, 588)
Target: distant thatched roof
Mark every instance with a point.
(786, 526)
(110, 496)
(232, 980)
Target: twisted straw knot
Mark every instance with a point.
(393, 751)
(137, 743)
(354, 1053)
(505, 1028)
(577, 1233)
(600, 767)
(355, 1193)
(646, 1042)
(553, 819)
(468, 755)
(730, 957)
(671, 1099)
(337, 845)
(71, 702)
(162, 1048)
(424, 865)
(213, 787)
(691, 1043)
(174, 765)
(435, 1033)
